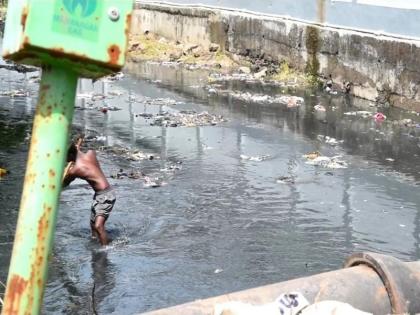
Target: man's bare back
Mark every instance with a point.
(86, 166)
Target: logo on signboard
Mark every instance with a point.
(83, 8)
(78, 18)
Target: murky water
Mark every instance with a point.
(225, 220)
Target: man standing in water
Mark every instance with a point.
(86, 166)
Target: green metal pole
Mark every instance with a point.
(41, 191)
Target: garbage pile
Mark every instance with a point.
(129, 155)
(288, 100)
(182, 119)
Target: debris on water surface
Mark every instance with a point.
(312, 155)
(285, 180)
(258, 158)
(15, 93)
(379, 117)
(140, 156)
(115, 93)
(114, 77)
(320, 108)
(171, 167)
(128, 154)
(160, 101)
(152, 182)
(329, 140)
(134, 174)
(334, 162)
(105, 109)
(3, 172)
(184, 119)
(361, 113)
(288, 100)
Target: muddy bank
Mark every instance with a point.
(375, 67)
(151, 47)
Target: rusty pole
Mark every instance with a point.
(39, 203)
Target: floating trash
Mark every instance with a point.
(379, 117)
(121, 174)
(15, 93)
(145, 115)
(3, 172)
(361, 113)
(320, 108)
(152, 182)
(172, 167)
(186, 119)
(115, 93)
(105, 109)
(258, 158)
(140, 156)
(329, 140)
(285, 180)
(130, 155)
(288, 100)
(160, 101)
(312, 155)
(114, 77)
(98, 97)
(328, 162)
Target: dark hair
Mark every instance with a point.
(72, 153)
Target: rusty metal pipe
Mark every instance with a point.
(371, 282)
(41, 192)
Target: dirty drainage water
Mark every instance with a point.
(214, 193)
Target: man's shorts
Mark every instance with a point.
(103, 202)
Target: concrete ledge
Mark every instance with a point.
(381, 68)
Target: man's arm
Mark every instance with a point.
(68, 177)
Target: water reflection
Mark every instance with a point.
(103, 277)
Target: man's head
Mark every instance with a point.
(74, 147)
(72, 153)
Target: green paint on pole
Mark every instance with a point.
(41, 191)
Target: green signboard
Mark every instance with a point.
(78, 18)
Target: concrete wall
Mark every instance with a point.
(381, 68)
(398, 17)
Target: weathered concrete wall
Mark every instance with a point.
(397, 17)
(381, 68)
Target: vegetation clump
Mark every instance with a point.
(151, 47)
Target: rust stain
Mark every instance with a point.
(127, 25)
(114, 54)
(43, 224)
(16, 287)
(25, 42)
(24, 17)
(51, 173)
